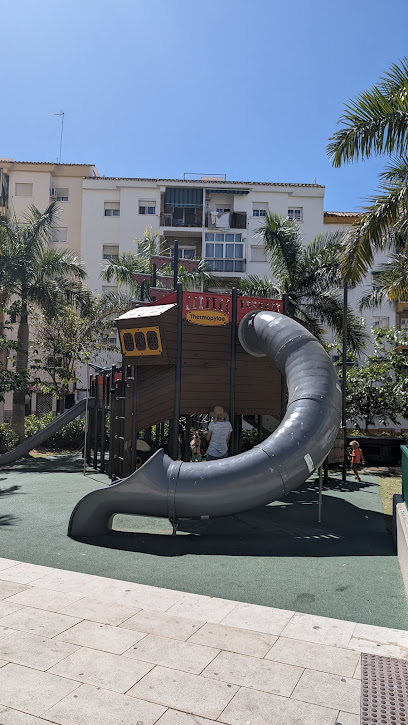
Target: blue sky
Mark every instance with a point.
(156, 88)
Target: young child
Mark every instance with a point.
(356, 458)
(195, 445)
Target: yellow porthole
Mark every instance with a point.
(140, 341)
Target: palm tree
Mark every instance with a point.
(310, 276)
(375, 123)
(391, 282)
(122, 267)
(33, 273)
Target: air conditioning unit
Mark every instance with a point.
(53, 193)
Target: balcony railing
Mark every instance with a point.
(226, 265)
(182, 218)
(234, 220)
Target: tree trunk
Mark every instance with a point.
(18, 415)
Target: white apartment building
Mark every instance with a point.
(210, 217)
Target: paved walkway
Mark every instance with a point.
(277, 555)
(77, 649)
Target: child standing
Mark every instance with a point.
(195, 446)
(356, 458)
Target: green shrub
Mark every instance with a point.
(8, 439)
(68, 438)
(33, 423)
(249, 439)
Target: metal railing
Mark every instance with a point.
(182, 218)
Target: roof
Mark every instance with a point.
(44, 163)
(145, 312)
(198, 182)
(342, 213)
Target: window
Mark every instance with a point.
(112, 208)
(259, 208)
(110, 251)
(296, 213)
(24, 189)
(60, 234)
(147, 207)
(258, 254)
(184, 252)
(223, 210)
(404, 324)
(380, 322)
(224, 252)
(62, 194)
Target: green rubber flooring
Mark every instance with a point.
(277, 555)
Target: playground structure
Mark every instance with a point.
(181, 357)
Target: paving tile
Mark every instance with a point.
(25, 573)
(108, 590)
(40, 690)
(102, 669)
(206, 609)
(258, 619)
(7, 607)
(322, 630)
(6, 563)
(254, 644)
(261, 708)
(319, 688)
(173, 653)
(253, 672)
(103, 612)
(346, 718)
(163, 624)
(40, 653)
(380, 641)
(357, 671)
(38, 621)
(7, 589)
(44, 599)
(65, 581)
(182, 691)
(101, 636)
(314, 656)
(103, 707)
(145, 597)
(15, 717)
(175, 717)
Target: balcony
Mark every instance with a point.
(226, 220)
(182, 217)
(226, 265)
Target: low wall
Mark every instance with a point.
(401, 526)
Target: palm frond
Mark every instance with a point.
(283, 244)
(254, 286)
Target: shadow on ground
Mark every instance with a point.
(287, 528)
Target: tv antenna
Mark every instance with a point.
(62, 114)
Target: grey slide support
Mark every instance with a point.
(39, 438)
(175, 490)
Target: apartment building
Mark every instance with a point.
(210, 216)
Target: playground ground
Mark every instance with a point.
(277, 556)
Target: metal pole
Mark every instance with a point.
(175, 264)
(285, 310)
(319, 515)
(344, 382)
(177, 379)
(154, 275)
(134, 429)
(142, 291)
(233, 366)
(86, 426)
(103, 422)
(112, 420)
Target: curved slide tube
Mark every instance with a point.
(39, 438)
(173, 489)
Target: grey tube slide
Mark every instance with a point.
(173, 489)
(39, 438)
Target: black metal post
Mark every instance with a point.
(154, 275)
(142, 291)
(111, 412)
(134, 430)
(233, 445)
(259, 439)
(285, 311)
(344, 381)
(103, 423)
(175, 264)
(95, 426)
(177, 379)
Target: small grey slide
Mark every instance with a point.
(173, 489)
(39, 438)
